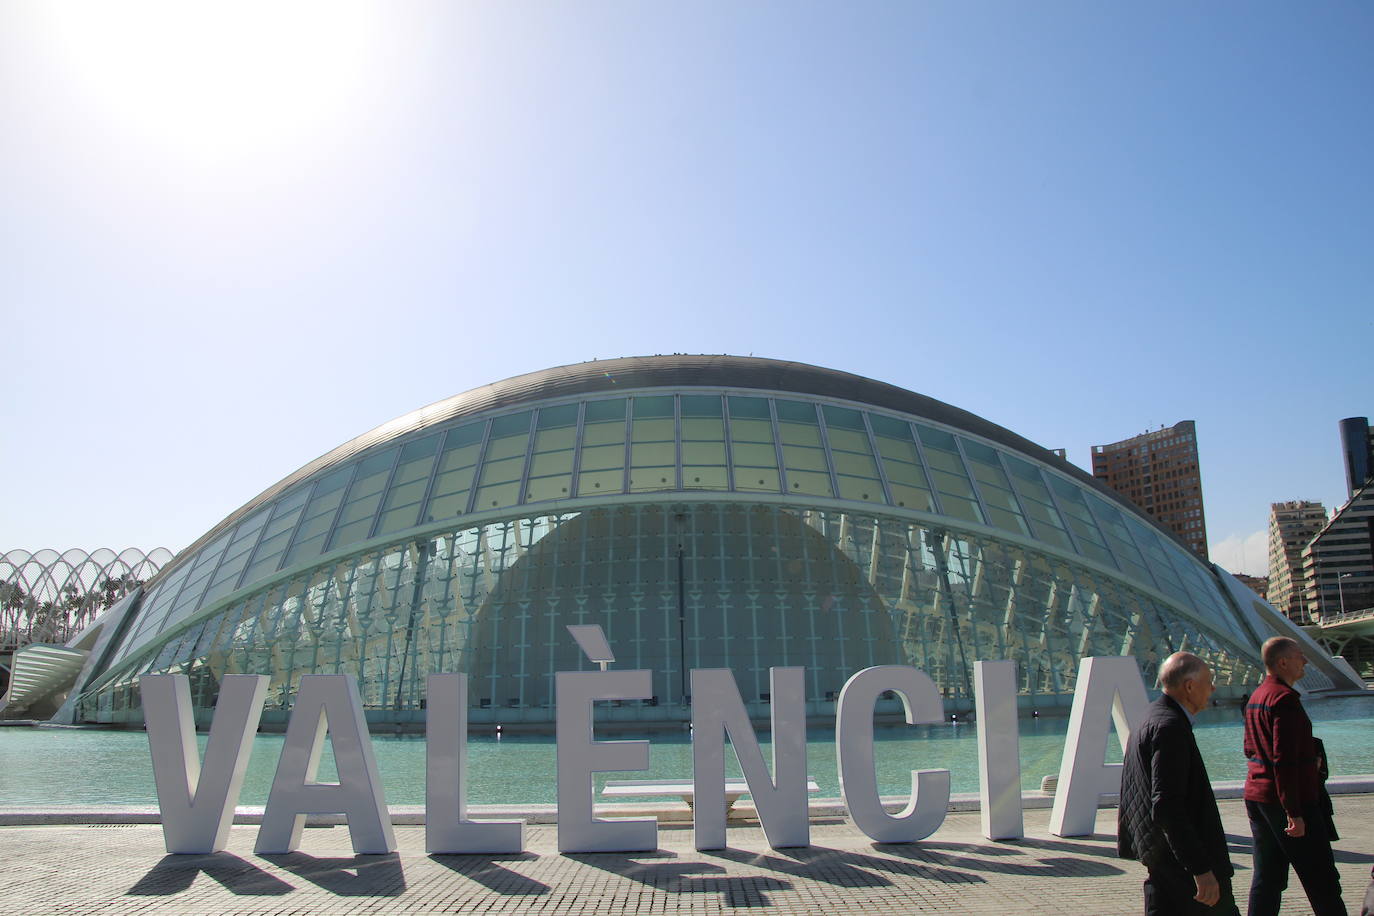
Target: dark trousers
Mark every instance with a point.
(1310, 855)
(1169, 892)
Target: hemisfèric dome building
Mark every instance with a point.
(707, 512)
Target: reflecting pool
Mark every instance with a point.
(56, 768)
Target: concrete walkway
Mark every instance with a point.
(66, 869)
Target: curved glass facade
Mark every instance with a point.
(701, 526)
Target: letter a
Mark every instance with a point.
(327, 703)
(1106, 683)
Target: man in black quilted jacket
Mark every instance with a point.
(1168, 817)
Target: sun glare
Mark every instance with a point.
(217, 81)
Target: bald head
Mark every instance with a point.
(1188, 680)
(1276, 649)
(1178, 669)
(1284, 659)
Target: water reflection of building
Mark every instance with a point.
(707, 512)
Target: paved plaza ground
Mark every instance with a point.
(123, 869)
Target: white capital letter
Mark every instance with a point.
(717, 709)
(327, 703)
(580, 754)
(924, 814)
(447, 828)
(198, 807)
(999, 749)
(1106, 683)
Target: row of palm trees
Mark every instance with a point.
(25, 618)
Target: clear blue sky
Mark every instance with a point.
(235, 236)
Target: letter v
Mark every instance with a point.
(197, 805)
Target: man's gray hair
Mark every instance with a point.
(1180, 668)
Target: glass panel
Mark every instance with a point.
(1003, 511)
(504, 462)
(1153, 548)
(1119, 541)
(552, 463)
(653, 449)
(602, 460)
(497, 495)
(593, 482)
(196, 581)
(554, 487)
(364, 497)
(856, 471)
(959, 507)
(703, 453)
(751, 445)
(860, 488)
(697, 477)
(802, 454)
(906, 479)
(1046, 524)
(457, 464)
(236, 556)
(276, 536)
(402, 506)
(542, 465)
(557, 417)
(703, 443)
(948, 474)
(603, 457)
(1074, 505)
(549, 440)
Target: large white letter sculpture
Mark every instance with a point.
(1105, 683)
(327, 703)
(580, 755)
(447, 828)
(198, 806)
(999, 750)
(925, 812)
(717, 709)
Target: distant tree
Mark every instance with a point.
(24, 619)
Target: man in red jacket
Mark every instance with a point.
(1282, 790)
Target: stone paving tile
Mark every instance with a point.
(123, 870)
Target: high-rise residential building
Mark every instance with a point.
(1291, 526)
(1357, 447)
(1257, 584)
(1158, 471)
(1338, 563)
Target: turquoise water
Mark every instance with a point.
(76, 768)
